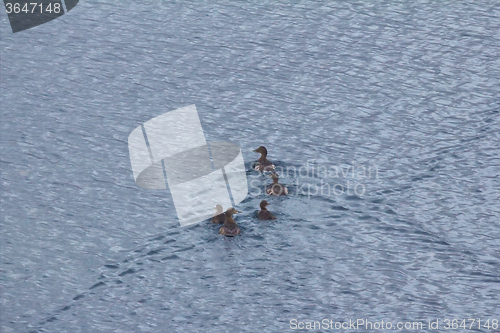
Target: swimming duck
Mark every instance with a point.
(219, 216)
(230, 228)
(275, 188)
(264, 214)
(263, 164)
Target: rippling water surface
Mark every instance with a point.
(390, 110)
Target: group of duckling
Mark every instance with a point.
(229, 226)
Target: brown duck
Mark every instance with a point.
(263, 164)
(275, 188)
(230, 228)
(264, 214)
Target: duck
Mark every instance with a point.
(219, 216)
(275, 188)
(264, 214)
(263, 164)
(230, 228)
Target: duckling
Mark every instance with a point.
(219, 216)
(263, 164)
(264, 214)
(275, 188)
(230, 228)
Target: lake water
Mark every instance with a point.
(390, 110)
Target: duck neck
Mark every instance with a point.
(229, 219)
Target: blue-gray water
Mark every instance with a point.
(409, 89)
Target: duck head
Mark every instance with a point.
(232, 211)
(218, 210)
(275, 177)
(263, 204)
(262, 150)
